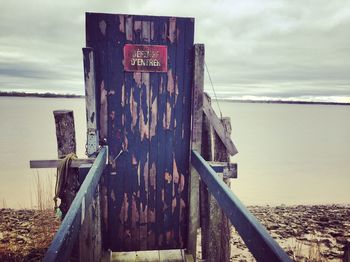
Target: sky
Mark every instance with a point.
(290, 50)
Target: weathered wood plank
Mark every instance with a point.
(55, 163)
(152, 255)
(258, 240)
(118, 171)
(172, 255)
(197, 116)
(178, 164)
(204, 205)
(229, 170)
(161, 151)
(186, 131)
(63, 242)
(217, 125)
(168, 126)
(90, 101)
(65, 132)
(221, 154)
(153, 151)
(144, 140)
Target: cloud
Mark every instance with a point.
(270, 48)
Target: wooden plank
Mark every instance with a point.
(161, 146)
(258, 240)
(63, 242)
(204, 205)
(92, 143)
(214, 234)
(217, 125)
(90, 238)
(197, 115)
(179, 151)
(229, 170)
(123, 256)
(55, 163)
(153, 156)
(151, 255)
(172, 255)
(221, 154)
(144, 128)
(169, 127)
(186, 131)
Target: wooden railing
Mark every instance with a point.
(258, 240)
(67, 235)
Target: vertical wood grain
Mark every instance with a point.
(197, 112)
(221, 155)
(207, 133)
(148, 123)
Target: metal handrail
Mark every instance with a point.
(62, 244)
(256, 237)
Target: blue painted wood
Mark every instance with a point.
(258, 240)
(161, 151)
(144, 210)
(186, 123)
(62, 244)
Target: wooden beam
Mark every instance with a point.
(256, 237)
(63, 242)
(229, 170)
(218, 127)
(150, 255)
(223, 225)
(55, 163)
(207, 154)
(196, 138)
(92, 143)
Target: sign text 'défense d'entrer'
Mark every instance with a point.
(145, 58)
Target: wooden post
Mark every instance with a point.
(90, 101)
(90, 237)
(204, 205)
(65, 134)
(221, 154)
(197, 114)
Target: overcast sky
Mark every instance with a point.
(296, 49)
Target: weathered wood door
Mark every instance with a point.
(144, 118)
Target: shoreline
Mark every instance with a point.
(305, 232)
(249, 101)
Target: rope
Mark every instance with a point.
(62, 176)
(212, 86)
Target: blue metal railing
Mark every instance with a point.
(63, 242)
(258, 240)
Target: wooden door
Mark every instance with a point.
(144, 118)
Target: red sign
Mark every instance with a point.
(145, 58)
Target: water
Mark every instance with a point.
(288, 154)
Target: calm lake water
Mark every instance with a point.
(288, 154)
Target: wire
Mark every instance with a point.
(212, 86)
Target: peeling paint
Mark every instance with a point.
(172, 29)
(103, 27)
(121, 24)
